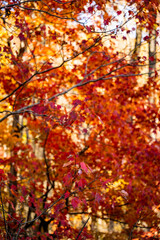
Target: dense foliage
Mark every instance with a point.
(79, 126)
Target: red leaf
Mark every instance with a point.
(40, 109)
(156, 73)
(75, 202)
(98, 197)
(1, 170)
(106, 21)
(59, 207)
(5, 49)
(130, 12)
(84, 41)
(66, 195)
(2, 175)
(90, 9)
(11, 37)
(76, 102)
(152, 58)
(24, 191)
(13, 187)
(146, 38)
(88, 29)
(11, 204)
(82, 182)
(21, 199)
(119, 12)
(73, 115)
(67, 164)
(85, 131)
(85, 167)
(67, 179)
(21, 36)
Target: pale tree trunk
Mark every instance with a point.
(152, 57)
(13, 170)
(152, 68)
(137, 44)
(135, 55)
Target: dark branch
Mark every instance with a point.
(82, 228)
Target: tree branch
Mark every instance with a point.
(82, 228)
(3, 211)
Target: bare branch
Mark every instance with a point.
(4, 219)
(48, 70)
(24, 109)
(46, 210)
(82, 228)
(18, 4)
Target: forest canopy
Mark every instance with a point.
(79, 119)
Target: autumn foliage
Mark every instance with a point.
(80, 119)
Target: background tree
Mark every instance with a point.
(76, 125)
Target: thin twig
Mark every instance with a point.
(5, 223)
(23, 110)
(49, 69)
(82, 228)
(23, 224)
